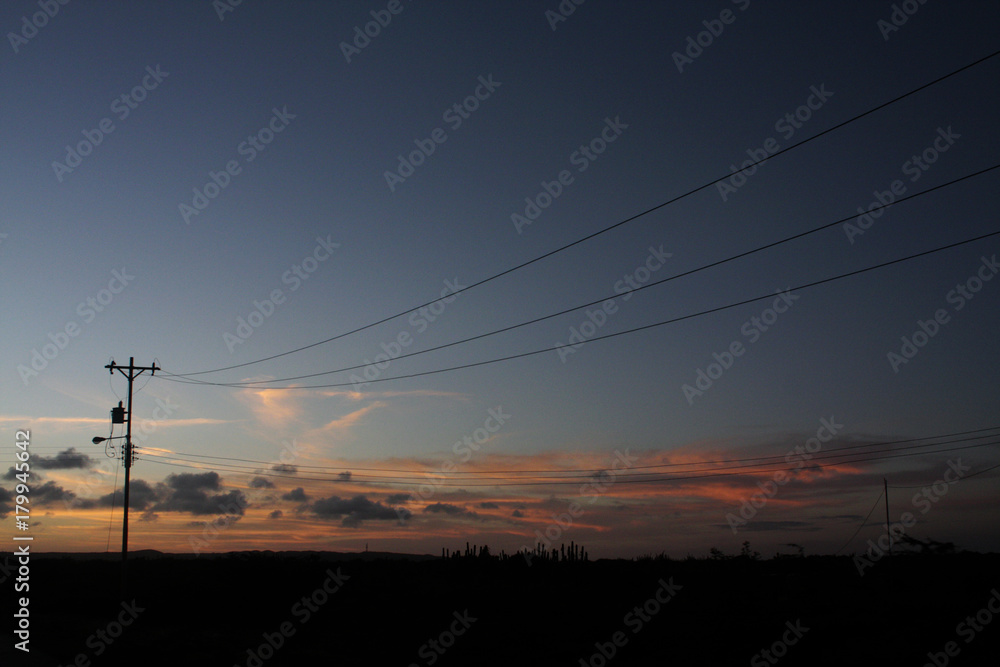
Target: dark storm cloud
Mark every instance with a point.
(296, 495)
(50, 492)
(141, 496)
(12, 474)
(189, 492)
(62, 461)
(354, 510)
(199, 502)
(187, 481)
(5, 502)
(261, 483)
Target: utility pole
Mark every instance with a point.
(131, 372)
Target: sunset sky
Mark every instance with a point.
(208, 186)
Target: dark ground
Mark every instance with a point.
(211, 610)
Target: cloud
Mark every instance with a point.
(273, 407)
(261, 483)
(518, 514)
(50, 492)
(44, 494)
(199, 502)
(12, 473)
(62, 461)
(276, 514)
(286, 468)
(351, 418)
(297, 495)
(193, 481)
(344, 476)
(358, 395)
(355, 510)
(398, 499)
(5, 499)
(489, 506)
(188, 492)
(444, 508)
(141, 496)
(217, 522)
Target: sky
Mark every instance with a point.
(205, 186)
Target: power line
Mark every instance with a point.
(520, 483)
(485, 475)
(964, 477)
(184, 456)
(851, 539)
(611, 297)
(611, 227)
(627, 331)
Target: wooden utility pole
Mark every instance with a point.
(131, 372)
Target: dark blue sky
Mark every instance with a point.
(333, 129)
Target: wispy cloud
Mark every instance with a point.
(348, 421)
(84, 421)
(273, 407)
